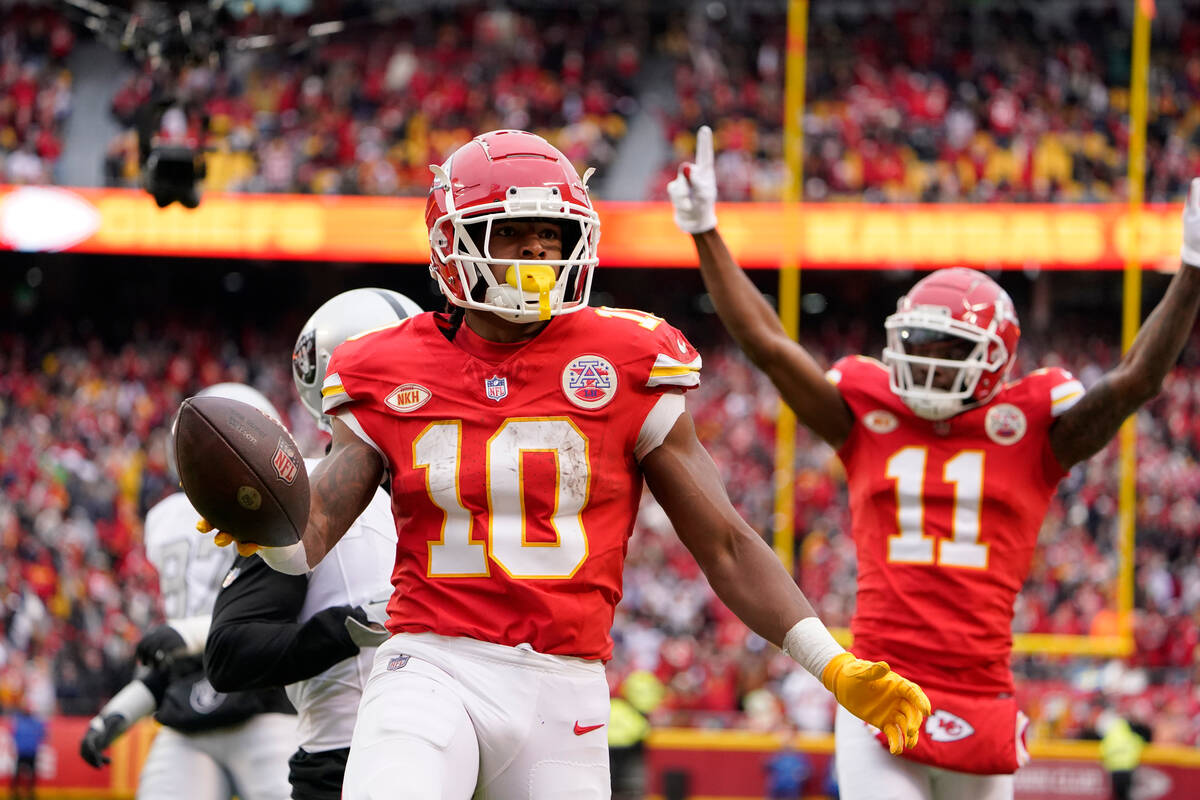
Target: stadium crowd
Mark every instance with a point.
(35, 92)
(956, 102)
(366, 111)
(951, 104)
(82, 431)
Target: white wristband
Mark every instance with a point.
(1189, 256)
(133, 702)
(810, 644)
(194, 631)
(289, 559)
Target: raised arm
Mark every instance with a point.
(1092, 422)
(743, 310)
(746, 575)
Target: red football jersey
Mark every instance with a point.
(514, 480)
(945, 517)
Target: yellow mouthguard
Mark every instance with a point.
(534, 278)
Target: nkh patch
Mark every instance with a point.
(407, 397)
(497, 388)
(397, 662)
(589, 382)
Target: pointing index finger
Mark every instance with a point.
(704, 148)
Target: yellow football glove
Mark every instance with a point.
(222, 539)
(872, 692)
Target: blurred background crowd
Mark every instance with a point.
(1003, 102)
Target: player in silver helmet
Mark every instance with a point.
(306, 631)
(213, 744)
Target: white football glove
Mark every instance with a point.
(1190, 253)
(373, 633)
(694, 191)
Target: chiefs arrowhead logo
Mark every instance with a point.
(942, 726)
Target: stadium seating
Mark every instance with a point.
(947, 105)
(35, 92)
(367, 111)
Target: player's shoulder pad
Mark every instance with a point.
(854, 366)
(649, 345)
(171, 513)
(355, 357)
(1053, 385)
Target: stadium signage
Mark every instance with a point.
(390, 229)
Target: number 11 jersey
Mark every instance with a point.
(945, 518)
(513, 467)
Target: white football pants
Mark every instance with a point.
(867, 771)
(450, 718)
(249, 760)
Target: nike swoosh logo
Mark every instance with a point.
(580, 730)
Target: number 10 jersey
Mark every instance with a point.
(513, 471)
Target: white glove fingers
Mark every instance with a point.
(704, 148)
(1193, 200)
(693, 191)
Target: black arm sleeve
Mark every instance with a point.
(156, 679)
(254, 640)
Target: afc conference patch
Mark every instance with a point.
(589, 382)
(496, 387)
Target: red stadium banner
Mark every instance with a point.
(62, 772)
(392, 229)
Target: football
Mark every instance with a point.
(241, 470)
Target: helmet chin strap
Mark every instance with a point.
(934, 410)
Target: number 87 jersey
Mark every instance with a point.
(945, 518)
(513, 467)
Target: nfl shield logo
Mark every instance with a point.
(284, 463)
(497, 388)
(397, 662)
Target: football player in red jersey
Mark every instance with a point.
(515, 433)
(951, 463)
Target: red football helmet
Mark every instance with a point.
(951, 343)
(504, 175)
